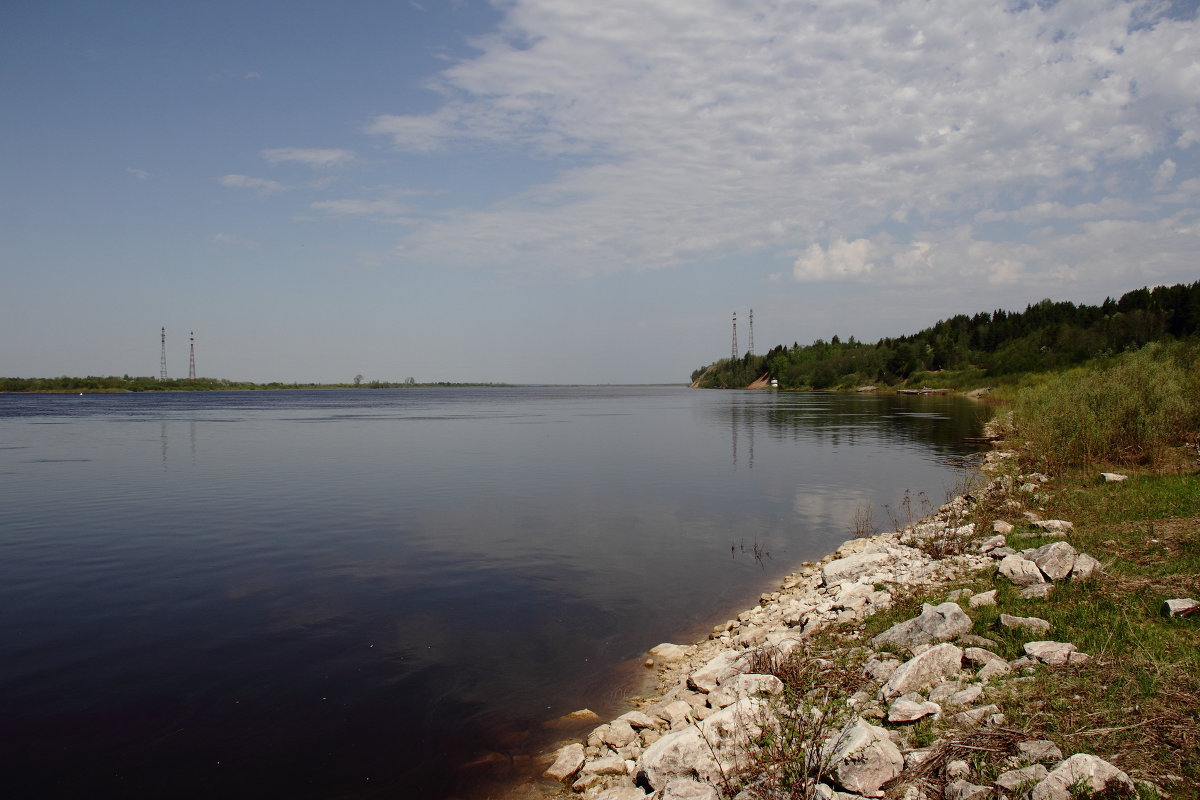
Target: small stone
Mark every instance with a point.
(1054, 560)
(1038, 591)
(667, 653)
(958, 769)
(687, 789)
(1055, 525)
(1001, 527)
(965, 790)
(613, 765)
(974, 717)
(567, 762)
(982, 599)
(1030, 623)
(965, 697)
(909, 711)
(638, 720)
(1180, 607)
(1036, 750)
(1084, 568)
(1056, 654)
(1016, 779)
(1113, 477)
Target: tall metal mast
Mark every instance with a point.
(733, 350)
(751, 350)
(192, 358)
(162, 359)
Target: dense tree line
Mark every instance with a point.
(1045, 336)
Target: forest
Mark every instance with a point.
(974, 350)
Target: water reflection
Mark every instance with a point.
(338, 576)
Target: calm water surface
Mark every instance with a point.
(360, 593)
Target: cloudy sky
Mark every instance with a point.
(566, 191)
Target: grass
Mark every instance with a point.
(1127, 411)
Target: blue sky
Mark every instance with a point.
(561, 191)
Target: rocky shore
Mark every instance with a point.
(907, 713)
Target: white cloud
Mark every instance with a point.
(320, 158)
(701, 130)
(841, 260)
(261, 185)
(140, 174)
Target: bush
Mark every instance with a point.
(1125, 412)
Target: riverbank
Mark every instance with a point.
(958, 656)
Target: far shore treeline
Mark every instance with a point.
(127, 383)
(965, 352)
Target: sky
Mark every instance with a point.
(560, 191)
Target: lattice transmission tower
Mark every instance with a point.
(192, 358)
(733, 350)
(751, 350)
(162, 358)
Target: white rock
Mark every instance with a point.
(974, 717)
(1054, 560)
(1038, 591)
(744, 685)
(958, 769)
(612, 765)
(1035, 750)
(1113, 477)
(726, 664)
(1085, 566)
(1014, 779)
(935, 624)
(1021, 571)
(864, 758)
(667, 653)
(567, 762)
(1055, 525)
(982, 599)
(1002, 527)
(1180, 607)
(639, 720)
(1055, 653)
(1031, 623)
(851, 567)
(965, 697)
(1081, 772)
(621, 793)
(965, 790)
(707, 753)
(688, 789)
(930, 667)
(619, 733)
(911, 711)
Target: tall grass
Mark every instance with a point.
(1127, 411)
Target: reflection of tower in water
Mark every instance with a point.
(737, 417)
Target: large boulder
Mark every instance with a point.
(1055, 560)
(1082, 775)
(934, 624)
(744, 685)
(716, 747)
(864, 758)
(927, 669)
(687, 789)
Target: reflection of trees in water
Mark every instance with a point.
(937, 422)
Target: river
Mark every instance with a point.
(362, 593)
